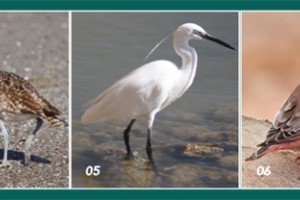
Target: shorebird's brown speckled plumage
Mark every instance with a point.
(19, 98)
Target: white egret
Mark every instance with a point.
(150, 88)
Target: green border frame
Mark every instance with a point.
(151, 194)
(174, 194)
(71, 5)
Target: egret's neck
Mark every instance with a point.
(189, 59)
(185, 51)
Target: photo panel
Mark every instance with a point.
(34, 100)
(271, 95)
(138, 123)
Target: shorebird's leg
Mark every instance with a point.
(39, 123)
(5, 162)
(126, 139)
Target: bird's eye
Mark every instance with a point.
(195, 32)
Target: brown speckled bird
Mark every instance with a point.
(284, 133)
(19, 100)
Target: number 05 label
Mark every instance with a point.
(93, 170)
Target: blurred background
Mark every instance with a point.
(271, 63)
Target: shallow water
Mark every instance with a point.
(106, 46)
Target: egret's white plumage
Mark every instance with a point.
(136, 95)
(151, 87)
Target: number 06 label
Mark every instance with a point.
(263, 171)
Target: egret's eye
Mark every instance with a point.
(197, 33)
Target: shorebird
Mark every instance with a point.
(19, 100)
(150, 88)
(284, 133)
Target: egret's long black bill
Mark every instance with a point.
(216, 40)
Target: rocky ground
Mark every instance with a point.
(284, 170)
(35, 46)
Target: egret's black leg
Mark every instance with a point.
(39, 123)
(126, 138)
(149, 149)
(149, 146)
